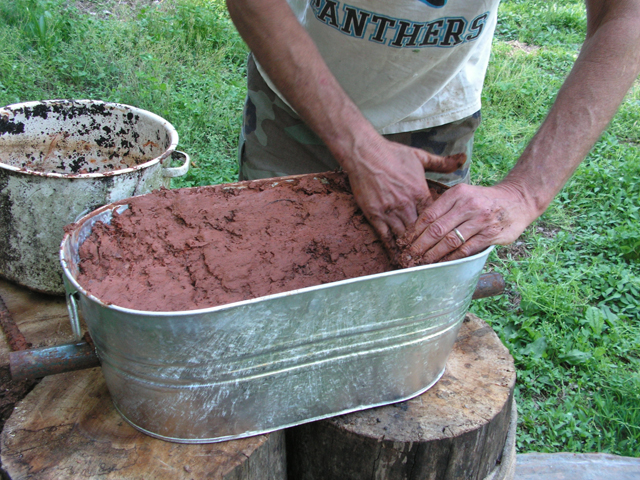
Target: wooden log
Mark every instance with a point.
(68, 428)
(455, 431)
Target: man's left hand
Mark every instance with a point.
(483, 216)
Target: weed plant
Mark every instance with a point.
(571, 317)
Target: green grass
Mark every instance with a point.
(183, 61)
(571, 317)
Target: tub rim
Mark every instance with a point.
(65, 262)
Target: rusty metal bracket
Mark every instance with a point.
(489, 285)
(29, 364)
(41, 362)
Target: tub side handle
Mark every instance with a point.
(74, 318)
(172, 172)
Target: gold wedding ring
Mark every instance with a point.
(457, 232)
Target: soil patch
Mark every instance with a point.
(514, 251)
(121, 9)
(176, 250)
(523, 47)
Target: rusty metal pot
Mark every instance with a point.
(60, 159)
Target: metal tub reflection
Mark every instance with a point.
(272, 362)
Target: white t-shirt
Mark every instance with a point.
(407, 64)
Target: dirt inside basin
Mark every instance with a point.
(176, 250)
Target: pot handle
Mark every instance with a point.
(169, 172)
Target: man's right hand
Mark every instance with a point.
(388, 182)
(387, 178)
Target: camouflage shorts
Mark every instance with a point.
(275, 142)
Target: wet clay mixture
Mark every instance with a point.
(186, 249)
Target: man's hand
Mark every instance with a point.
(607, 65)
(388, 180)
(484, 216)
(390, 187)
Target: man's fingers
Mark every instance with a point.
(382, 228)
(464, 221)
(435, 211)
(403, 217)
(396, 225)
(475, 245)
(458, 238)
(448, 164)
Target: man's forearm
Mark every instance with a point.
(605, 69)
(290, 58)
(387, 178)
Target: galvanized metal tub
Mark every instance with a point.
(277, 361)
(60, 159)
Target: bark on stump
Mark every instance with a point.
(68, 428)
(456, 430)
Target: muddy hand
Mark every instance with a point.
(391, 189)
(467, 219)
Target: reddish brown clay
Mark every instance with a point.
(186, 249)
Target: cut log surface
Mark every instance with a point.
(456, 430)
(67, 428)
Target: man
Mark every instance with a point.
(355, 71)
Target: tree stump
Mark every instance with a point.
(457, 430)
(67, 428)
